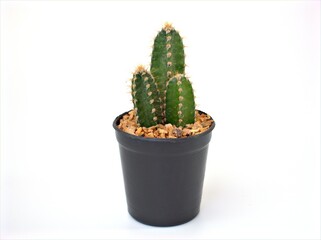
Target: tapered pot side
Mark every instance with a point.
(163, 177)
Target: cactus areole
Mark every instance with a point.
(163, 176)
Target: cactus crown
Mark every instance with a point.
(165, 95)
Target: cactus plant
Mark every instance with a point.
(165, 95)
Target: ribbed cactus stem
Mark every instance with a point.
(168, 58)
(180, 104)
(146, 100)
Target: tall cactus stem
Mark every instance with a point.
(167, 58)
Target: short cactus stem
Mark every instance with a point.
(146, 100)
(180, 104)
(168, 58)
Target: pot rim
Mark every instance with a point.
(145, 139)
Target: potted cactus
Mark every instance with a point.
(163, 141)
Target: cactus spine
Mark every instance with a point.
(180, 105)
(147, 104)
(165, 95)
(168, 58)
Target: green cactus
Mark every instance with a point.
(168, 58)
(165, 95)
(180, 105)
(146, 98)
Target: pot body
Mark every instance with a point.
(163, 177)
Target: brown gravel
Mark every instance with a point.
(129, 125)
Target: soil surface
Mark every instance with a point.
(128, 124)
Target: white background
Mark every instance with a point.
(64, 74)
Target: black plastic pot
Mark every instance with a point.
(163, 177)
